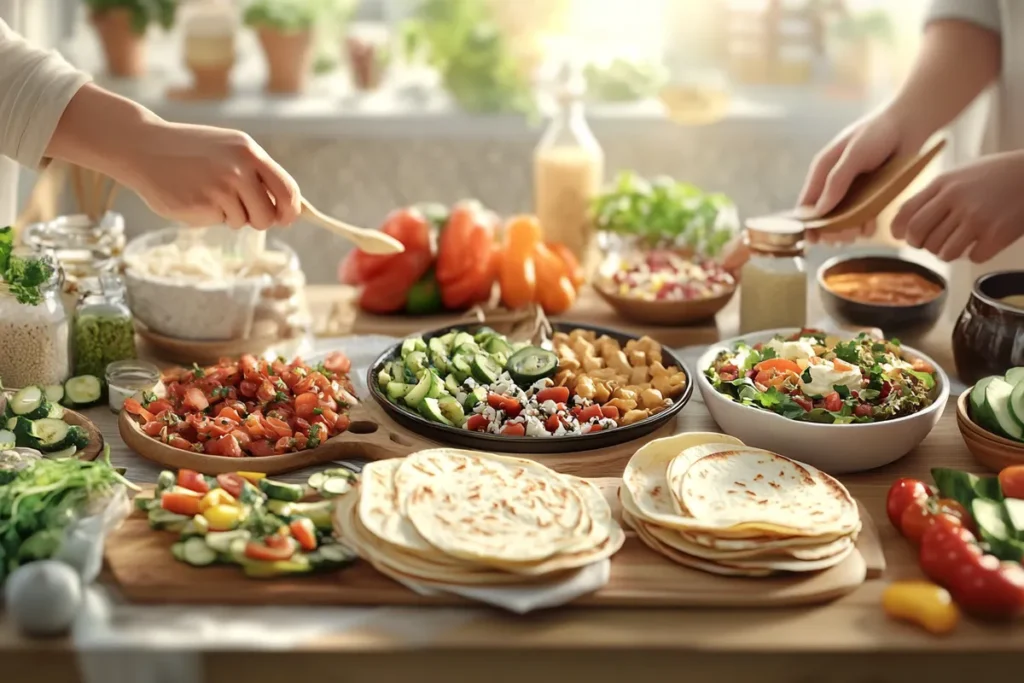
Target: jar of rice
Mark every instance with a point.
(34, 340)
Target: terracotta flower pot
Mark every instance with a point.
(289, 58)
(124, 48)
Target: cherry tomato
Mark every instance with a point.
(833, 402)
(305, 405)
(862, 410)
(180, 503)
(1011, 481)
(901, 495)
(918, 516)
(945, 546)
(951, 508)
(386, 292)
(514, 429)
(556, 394)
(193, 481)
(989, 588)
(477, 423)
(232, 483)
(265, 552)
(595, 428)
(572, 264)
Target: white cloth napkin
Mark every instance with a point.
(523, 599)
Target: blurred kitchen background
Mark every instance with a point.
(402, 101)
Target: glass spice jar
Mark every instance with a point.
(773, 283)
(35, 346)
(131, 379)
(103, 329)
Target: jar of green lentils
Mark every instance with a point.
(103, 330)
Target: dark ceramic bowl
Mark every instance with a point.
(891, 318)
(989, 335)
(526, 444)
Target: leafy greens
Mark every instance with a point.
(24, 277)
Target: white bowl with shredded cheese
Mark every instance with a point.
(196, 284)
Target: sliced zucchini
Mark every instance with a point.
(56, 411)
(419, 392)
(83, 390)
(7, 439)
(530, 364)
(29, 403)
(220, 541)
(54, 393)
(452, 410)
(256, 569)
(335, 486)
(11, 421)
(51, 435)
(485, 369)
(251, 494)
(484, 333)
(197, 553)
(1017, 403)
(77, 436)
(980, 412)
(397, 390)
(279, 490)
(280, 508)
(316, 480)
(68, 452)
(439, 362)
(448, 339)
(430, 409)
(436, 385)
(197, 526)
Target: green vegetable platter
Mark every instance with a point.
(37, 417)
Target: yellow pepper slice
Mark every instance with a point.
(923, 603)
(223, 517)
(252, 477)
(216, 497)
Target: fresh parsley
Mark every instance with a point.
(848, 352)
(24, 277)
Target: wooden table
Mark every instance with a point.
(848, 640)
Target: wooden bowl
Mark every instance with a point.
(73, 417)
(666, 313)
(187, 351)
(991, 450)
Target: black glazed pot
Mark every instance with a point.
(915, 319)
(989, 335)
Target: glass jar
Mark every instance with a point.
(103, 329)
(83, 247)
(131, 379)
(34, 338)
(568, 169)
(773, 283)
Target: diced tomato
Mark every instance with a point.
(242, 438)
(477, 423)
(833, 402)
(556, 394)
(227, 446)
(338, 363)
(279, 427)
(552, 423)
(266, 392)
(180, 503)
(210, 428)
(304, 532)
(196, 400)
(511, 406)
(133, 407)
(248, 388)
(596, 427)
(301, 441)
(153, 428)
(305, 404)
(179, 442)
(193, 481)
(342, 423)
(254, 427)
(514, 429)
(159, 406)
(611, 412)
(227, 413)
(803, 403)
(261, 448)
(589, 413)
(232, 483)
(862, 410)
(284, 445)
(260, 551)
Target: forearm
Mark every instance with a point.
(99, 129)
(957, 61)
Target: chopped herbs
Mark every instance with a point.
(25, 277)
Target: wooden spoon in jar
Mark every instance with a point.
(867, 197)
(370, 241)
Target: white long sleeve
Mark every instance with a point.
(35, 88)
(984, 13)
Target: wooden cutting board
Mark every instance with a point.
(140, 562)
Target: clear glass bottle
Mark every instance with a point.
(103, 330)
(34, 337)
(773, 283)
(568, 169)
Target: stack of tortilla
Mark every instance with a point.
(708, 502)
(453, 517)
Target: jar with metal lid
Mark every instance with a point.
(773, 283)
(103, 329)
(132, 379)
(84, 247)
(34, 336)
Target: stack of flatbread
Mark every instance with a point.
(708, 502)
(453, 517)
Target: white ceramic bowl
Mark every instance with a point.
(836, 449)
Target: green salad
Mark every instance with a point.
(814, 377)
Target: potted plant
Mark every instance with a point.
(285, 30)
(122, 24)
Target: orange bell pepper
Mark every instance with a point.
(572, 264)
(517, 271)
(555, 291)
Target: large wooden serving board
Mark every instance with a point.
(142, 566)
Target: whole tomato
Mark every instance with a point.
(902, 494)
(1011, 481)
(945, 546)
(408, 226)
(387, 291)
(920, 515)
(989, 588)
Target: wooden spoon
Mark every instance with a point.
(370, 241)
(867, 197)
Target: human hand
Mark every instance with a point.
(861, 148)
(202, 175)
(980, 204)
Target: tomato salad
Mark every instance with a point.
(812, 377)
(249, 407)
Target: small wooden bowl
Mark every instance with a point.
(991, 450)
(187, 351)
(666, 313)
(73, 417)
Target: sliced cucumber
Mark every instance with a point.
(463, 339)
(397, 390)
(980, 412)
(320, 513)
(417, 361)
(68, 452)
(997, 396)
(162, 519)
(1015, 516)
(83, 390)
(436, 385)
(165, 481)
(197, 553)
(484, 333)
(336, 486)
(420, 391)
(11, 422)
(448, 340)
(430, 409)
(485, 369)
(51, 435)
(56, 411)
(197, 526)
(280, 508)
(279, 490)
(7, 439)
(331, 556)
(437, 347)
(461, 369)
(1015, 375)
(384, 378)
(316, 480)
(451, 384)
(475, 398)
(220, 541)
(54, 393)
(1017, 403)
(439, 362)
(497, 345)
(452, 410)
(29, 403)
(412, 345)
(178, 552)
(530, 364)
